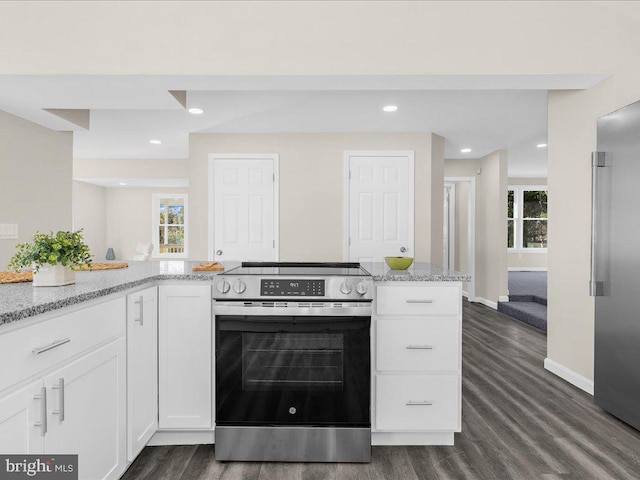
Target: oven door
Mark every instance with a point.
(293, 370)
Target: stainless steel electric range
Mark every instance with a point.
(293, 362)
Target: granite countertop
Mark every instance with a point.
(417, 272)
(22, 300)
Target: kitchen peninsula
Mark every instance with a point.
(130, 353)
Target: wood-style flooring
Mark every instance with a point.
(518, 422)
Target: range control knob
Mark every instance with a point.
(239, 287)
(346, 287)
(362, 288)
(223, 286)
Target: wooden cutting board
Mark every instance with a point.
(208, 267)
(102, 266)
(16, 277)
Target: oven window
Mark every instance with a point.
(288, 370)
(280, 361)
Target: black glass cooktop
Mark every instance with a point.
(299, 269)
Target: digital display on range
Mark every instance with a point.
(291, 288)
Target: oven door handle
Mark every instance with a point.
(260, 309)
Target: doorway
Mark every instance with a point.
(243, 207)
(460, 214)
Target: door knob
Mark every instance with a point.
(403, 249)
(218, 252)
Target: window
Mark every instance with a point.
(170, 225)
(527, 217)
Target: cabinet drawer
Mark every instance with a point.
(83, 328)
(418, 300)
(427, 344)
(417, 402)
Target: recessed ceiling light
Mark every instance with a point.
(390, 108)
(541, 145)
(196, 111)
(122, 183)
(465, 150)
(155, 142)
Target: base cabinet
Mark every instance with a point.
(21, 415)
(142, 369)
(417, 369)
(185, 357)
(86, 412)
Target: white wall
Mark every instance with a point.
(311, 187)
(130, 168)
(35, 180)
(90, 214)
(129, 218)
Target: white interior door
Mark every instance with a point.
(244, 207)
(449, 226)
(380, 205)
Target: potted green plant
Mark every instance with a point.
(52, 257)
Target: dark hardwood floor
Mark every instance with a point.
(518, 422)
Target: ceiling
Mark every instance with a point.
(481, 112)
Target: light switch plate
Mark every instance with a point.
(8, 231)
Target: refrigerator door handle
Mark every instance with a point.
(598, 160)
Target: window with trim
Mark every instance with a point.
(170, 230)
(527, 218)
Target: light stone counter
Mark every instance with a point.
(22, 300)
(417, 272)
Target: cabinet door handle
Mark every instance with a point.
(140, 302)
(418, 300)
(60, 388)
(51, 346)
(43, 411)
(412, 403)
(419, 347)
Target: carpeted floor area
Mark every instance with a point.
(527, 298)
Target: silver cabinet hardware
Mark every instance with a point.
(51, 346)
(403, 249)
(43, 411)
(419, 347)
(60, 388)
(419, 402)
(218, 252)
(418, 300)
(140, 302)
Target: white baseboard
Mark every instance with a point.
(485, 302)
(527, 269)
(503, 298)
(178, 437)
(400, 438)
(465, 294)
(575, 379)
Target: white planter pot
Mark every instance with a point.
(53, 276)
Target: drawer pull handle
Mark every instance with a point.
(51, 346)
(60, 387)
(418, 300)
(43, 411)
(412, 403)
(419, 347)
(140, 302)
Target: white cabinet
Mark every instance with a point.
(76, 403)
(185, 357)
(87, 411)
(142, 369)
(22, 414)
(417, 346)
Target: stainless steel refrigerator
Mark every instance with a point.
(615, 263)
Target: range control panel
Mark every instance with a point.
(291, 288)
